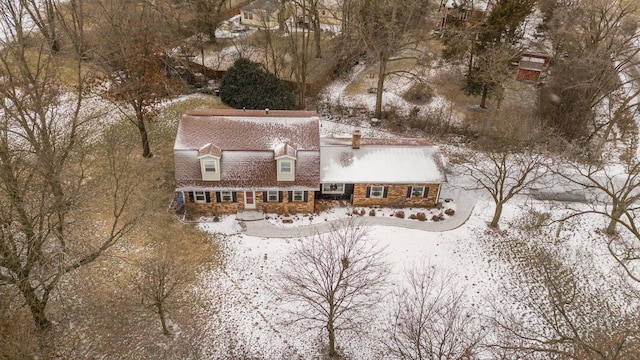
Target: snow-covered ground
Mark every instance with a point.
(254, 312)
(248, 312)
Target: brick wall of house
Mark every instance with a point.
(214, 208)
(396, 196)
(286, 206)
(528, 75)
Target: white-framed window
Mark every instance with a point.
(226, 196)
(417, 191)
(210, 168)
(285, 166)
(332, 188)
(376, 192)
(297, 195)
(272, 196)
(209, 165)
(200, 197)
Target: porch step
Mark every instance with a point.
(249, 215)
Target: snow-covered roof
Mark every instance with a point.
(383, 161)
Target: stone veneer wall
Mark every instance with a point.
(396, 196)
(214, 208)
(286, 206)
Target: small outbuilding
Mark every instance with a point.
(531, 66)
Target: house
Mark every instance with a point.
(531, 66)
(381, 172)
(230, 160)
(276, 162)
(262, 14)
(329, 13)
(461, 13)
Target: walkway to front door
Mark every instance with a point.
(249, 200)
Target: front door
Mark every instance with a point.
(249, 200)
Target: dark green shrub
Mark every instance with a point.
(249, 85)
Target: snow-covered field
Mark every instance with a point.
(248, 312)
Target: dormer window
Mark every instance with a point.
(210, 168)
(209, 156)
(285, 156)
(285, 166)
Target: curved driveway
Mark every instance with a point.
(261, 228)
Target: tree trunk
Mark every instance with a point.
(496, 215)
(36, 306)
(483, 100)
(144, 137)
(163, 320)
(315, 20)
(613, 221)
(282, 23)
(381, 76)
(332, 339)
(51, 23)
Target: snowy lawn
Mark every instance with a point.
(247, 311)
(344, 212)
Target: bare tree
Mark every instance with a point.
(45, 229)
(613, 192)
(504, 175)
(161, 276)
(393, 31)
(308, 13)
(43, 15)
(133, 52)
(332, 280)
(508, 158)
(209, 15)
(558, 303)
(429, 319)
(595, 65)
(299, 42)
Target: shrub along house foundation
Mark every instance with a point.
(276, 162)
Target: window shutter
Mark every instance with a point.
(426, 191)
(207, 195)
(265, 196)
(279, 196)
(234, 196)
(290, 196)
(305, 196)
(218, 196)
(191, 197)
(409, 192)
(368, 191)
(384, 191)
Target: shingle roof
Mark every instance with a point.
(247, 141)
(209, 149)
(285, 150)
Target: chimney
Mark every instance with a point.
(355, 139)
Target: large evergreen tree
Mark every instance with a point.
(495, 44)
(248, 85)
